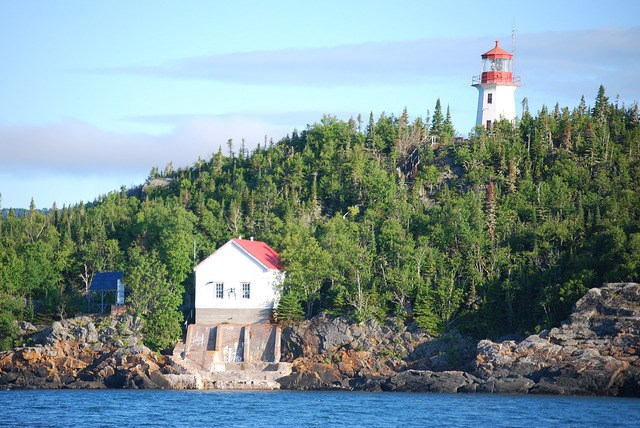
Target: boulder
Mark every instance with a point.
(31, 355)
(159, 379)
(429, 381)
(510, 384)
(25, 328)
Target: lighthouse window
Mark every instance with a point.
(489, 98)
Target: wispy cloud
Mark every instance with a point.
(558, 57)
(79, 147)
(570, 63)
(362, 64)
(273, 120)
(73, 160)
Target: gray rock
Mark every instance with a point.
(137, 349)
(302, 381)
(92, 333)
(25, 327)
(510, 384)
(429, 381)
(59, 331)
(42, 336)
(142, 381)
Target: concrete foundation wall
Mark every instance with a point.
(213, 346)
(262, 343)
(212, 316)
(230, 342)
(200, 344)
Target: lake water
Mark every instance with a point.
(122, 408)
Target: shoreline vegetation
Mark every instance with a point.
(491, 236)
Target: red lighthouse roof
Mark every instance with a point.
(497, 52)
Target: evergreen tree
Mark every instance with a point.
(424, 313)
(447, 126)
(437, 122)
(289, 310)
(601, 106)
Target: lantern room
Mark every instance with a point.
(497, 66)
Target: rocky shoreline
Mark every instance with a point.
(595, 352)
(84, 352)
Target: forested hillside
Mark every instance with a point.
(499, 233)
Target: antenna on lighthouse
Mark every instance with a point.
(513, 44)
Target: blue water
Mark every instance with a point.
(122, 408)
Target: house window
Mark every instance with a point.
(219, 290)
(246, 290)
(489, 98)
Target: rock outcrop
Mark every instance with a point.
(336, 353)
(595, 352)
(84, 352)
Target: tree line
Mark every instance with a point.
(498, 233)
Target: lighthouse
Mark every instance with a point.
(496, 87)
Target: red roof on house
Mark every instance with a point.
(261, 251)
(497, 52)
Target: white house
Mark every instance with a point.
(238, 283)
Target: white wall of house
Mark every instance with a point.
(232, 267)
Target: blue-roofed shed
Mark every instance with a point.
(107, 288)
(106, 281)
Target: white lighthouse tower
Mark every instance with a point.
(496, 87)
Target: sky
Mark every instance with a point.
(93, 95)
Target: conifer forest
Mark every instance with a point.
(496, 233)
